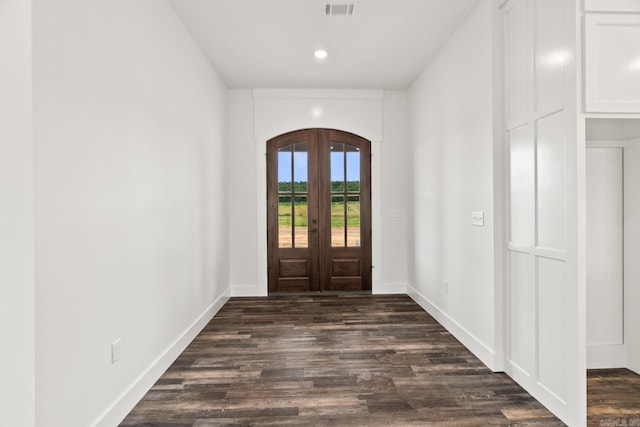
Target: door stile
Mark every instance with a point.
(304, 260)
(337, 266)
(313, 212)
(324, 188)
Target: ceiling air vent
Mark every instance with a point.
(339, 9)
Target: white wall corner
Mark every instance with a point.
(500, 171)
(262, 279)
(248, 291)
(390, 289)
(607, 356)
(493, 360)
(123, 404)
(376, 214)
(17, 252)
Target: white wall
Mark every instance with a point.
(632, 253)
(243, 204)
(256, 116)
(605, 287)
(131, 226)
(394, 182)
(451, 128)
(17, 396)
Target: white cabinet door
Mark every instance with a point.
(612, 43)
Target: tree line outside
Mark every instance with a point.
(336, 187)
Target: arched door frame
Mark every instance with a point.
(318, 255)
(277, 111)
(261, 225)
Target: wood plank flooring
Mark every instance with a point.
(613, 398)
(340, 360)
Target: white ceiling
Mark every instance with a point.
(270, 43)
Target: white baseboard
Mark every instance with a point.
(119, 409)
(494, 361)
(390, 289)
(248, 291)
(608, 356)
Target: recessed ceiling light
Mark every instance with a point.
(320, 53)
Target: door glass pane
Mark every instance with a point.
(284, 169)
(353, 168)
(285, 230)
(338, 225)
(353, 221)
(301, 222)
(337, 167)
(300, 164)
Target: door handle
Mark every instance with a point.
(313, 230)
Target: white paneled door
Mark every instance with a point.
(545, 337)
(605, 242)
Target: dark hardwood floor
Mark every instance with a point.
(613, 398)
(339, 360)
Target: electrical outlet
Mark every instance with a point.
(394, 213)
(115, 350)
(445, 287)
(477, 218)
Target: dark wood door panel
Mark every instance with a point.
(319, 211)
(294, 275)
(294, 267)
(292, 212)
(346, 261)
(345, 267)
(293, 284)
(345, 284)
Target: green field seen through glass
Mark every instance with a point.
(337, 214)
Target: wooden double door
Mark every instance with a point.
(319, 211)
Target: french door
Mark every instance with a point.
(319, 211)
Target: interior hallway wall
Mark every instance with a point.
(451, 131)
(395, 187)
(632, 253)
(255, 116)
(17, 327)
(242, 188)
(130, 202)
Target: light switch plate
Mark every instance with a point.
(477, 218)
(115, 350)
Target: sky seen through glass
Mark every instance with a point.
(300, 160)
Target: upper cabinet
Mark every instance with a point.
(612, 56)
(612, 6)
